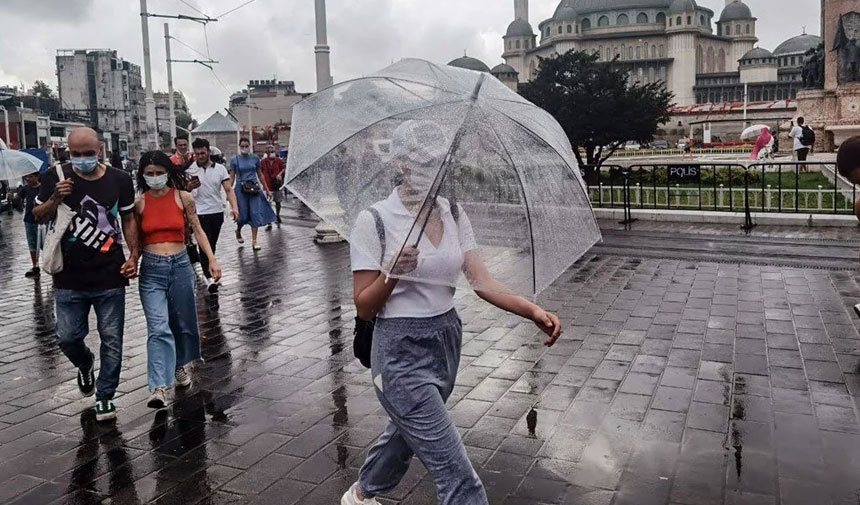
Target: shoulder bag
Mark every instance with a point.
(362, 341)
(52, 251)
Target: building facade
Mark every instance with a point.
(271, 110)
(108, 89)
(700, 57)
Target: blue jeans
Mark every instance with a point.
(414, 366)
(167, 295)
(73, 312)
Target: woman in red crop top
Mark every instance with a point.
(166, 275)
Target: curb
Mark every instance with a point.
(759, 218)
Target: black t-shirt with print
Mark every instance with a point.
(92, 246)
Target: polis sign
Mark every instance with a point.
(685, 173)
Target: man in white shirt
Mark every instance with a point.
(801, 151)
(208, 179)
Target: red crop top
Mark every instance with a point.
(162, 220)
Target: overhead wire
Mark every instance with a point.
(235, 8)
(193, 8)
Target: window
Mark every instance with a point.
(608, 54)
(623, 51)
(689, 20)
(518, 44)
(622, 20)
(576, 28)
(642, 18)
(702, 20)
(721, 61)
(630, 54)
(509, 45)
(662, 51)
(638, 53)
(615, 51)
(603, 21)
(586, 24)
(748, 28)
(560, 28)
(653, 51)
(678, 21)
(569, 28)
(661, 18)
(794, 60)
(670, 21)
(737, 29)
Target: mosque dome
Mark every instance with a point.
(503, 68)
(758, 53)
(735, 11)
(519, 28)
(564, 14)
(592, 6)
(798, 44)
(469, 63)
(679, 6)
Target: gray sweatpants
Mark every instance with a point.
(414, 366)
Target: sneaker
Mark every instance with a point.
(158, 400)
(105, 410)
(32, 273)
(349, 498)
(269, 227)
(182, 378)
(239, 237)
(87, 381)
(211, 286)
(257, 247)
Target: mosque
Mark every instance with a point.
(704, 60)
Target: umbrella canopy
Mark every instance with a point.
(753, 131)
(15, 164)
(417, 138)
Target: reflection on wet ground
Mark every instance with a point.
(676, 382)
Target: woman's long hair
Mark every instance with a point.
(175, 175)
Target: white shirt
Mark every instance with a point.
(797, 133)
(428, 290)
(208, 196)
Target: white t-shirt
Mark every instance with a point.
(208, 196)
(439, 268)
(797, 133)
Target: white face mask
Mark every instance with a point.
(156, 182)
(244, 150)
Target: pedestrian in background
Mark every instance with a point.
(95, 271)
(166, 275)
(182, 157)
(251, 192)
(803, 139)
(207, 180)
(28, 194)
(273, 169)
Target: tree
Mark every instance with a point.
(41, 89)
(597, 105)
(183, 120)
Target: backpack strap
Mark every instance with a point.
(380, 232)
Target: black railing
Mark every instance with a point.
(796, 187)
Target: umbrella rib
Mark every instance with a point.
(525, 200)
(370, 126)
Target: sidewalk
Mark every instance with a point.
(675, 382)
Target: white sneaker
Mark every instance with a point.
(158, 400)
(349, 498)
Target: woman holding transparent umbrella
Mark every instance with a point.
(417, 337)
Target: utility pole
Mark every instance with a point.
(250, 128)
(171, 106)
(322, 50)
(152, 129)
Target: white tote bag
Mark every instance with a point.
(52, 252)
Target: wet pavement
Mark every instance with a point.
(677, 381)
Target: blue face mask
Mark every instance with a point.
(85, 164)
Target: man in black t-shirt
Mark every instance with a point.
(95, 271)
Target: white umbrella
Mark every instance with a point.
(16, 164)
(753, 131)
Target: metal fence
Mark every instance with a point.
(795, 187)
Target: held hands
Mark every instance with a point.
(407, 262)
(548, 323)
(129, 268)
(214, 270)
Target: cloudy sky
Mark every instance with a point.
(275, 38)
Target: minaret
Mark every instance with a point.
(322, 50)
(521, 9)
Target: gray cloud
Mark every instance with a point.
(271, 38)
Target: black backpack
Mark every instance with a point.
(807, 137)
(362, 341)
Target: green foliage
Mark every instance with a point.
(597, 105)
(41, 89)
(183, 120)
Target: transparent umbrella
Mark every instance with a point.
(15, 164)
(452, 158)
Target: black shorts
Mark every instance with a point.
(802, 154)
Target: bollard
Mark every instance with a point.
(721, 196)
(820, 197)
(767, 196)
